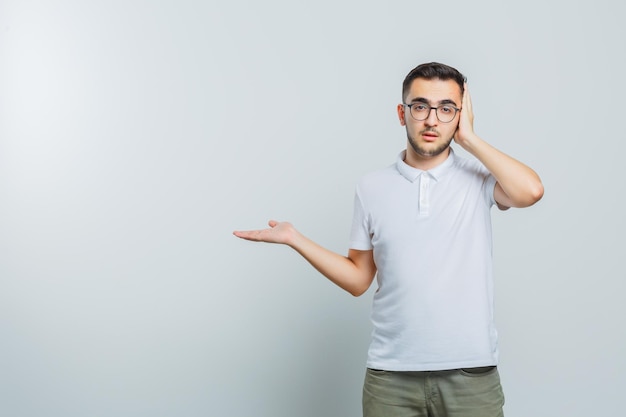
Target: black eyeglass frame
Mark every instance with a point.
(430, 108)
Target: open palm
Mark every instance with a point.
(278, 232)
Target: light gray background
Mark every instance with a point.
(136, 135)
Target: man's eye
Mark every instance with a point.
(446, 109)
(420, 107)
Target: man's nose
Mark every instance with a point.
(431, 120)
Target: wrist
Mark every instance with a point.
(294, 238)
(469, 142)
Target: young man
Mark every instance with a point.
(423, 227)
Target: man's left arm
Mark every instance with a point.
(517, 184)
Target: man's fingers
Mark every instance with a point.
(242, 234)
(249, 235)
(263, 235)
(467, 98)
(276, 233)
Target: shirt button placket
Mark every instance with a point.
(424, 201)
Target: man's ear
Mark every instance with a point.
(401, 114)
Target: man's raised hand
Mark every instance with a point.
(465, 131)
(278, 232)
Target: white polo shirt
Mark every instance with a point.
(431, 236)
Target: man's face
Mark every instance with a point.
(430, 137)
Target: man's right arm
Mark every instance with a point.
(354, 273)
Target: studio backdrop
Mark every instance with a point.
(135, 136)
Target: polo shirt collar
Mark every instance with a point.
(411, 173)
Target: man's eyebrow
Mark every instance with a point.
(425, 100)
(420, 100)
(447, 101)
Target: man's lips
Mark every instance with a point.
(430, 136)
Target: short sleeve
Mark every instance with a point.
(489, 186)
(360, 237)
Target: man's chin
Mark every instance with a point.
(429, 152)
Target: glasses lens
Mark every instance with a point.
(420, 111)
(446, 113)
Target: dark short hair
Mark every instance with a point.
(430, 71)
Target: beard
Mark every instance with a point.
(420, 150)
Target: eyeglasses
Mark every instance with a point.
(420, 111)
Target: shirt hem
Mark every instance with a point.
(397, 367)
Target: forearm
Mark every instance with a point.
(352, 275)
(520, 183)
